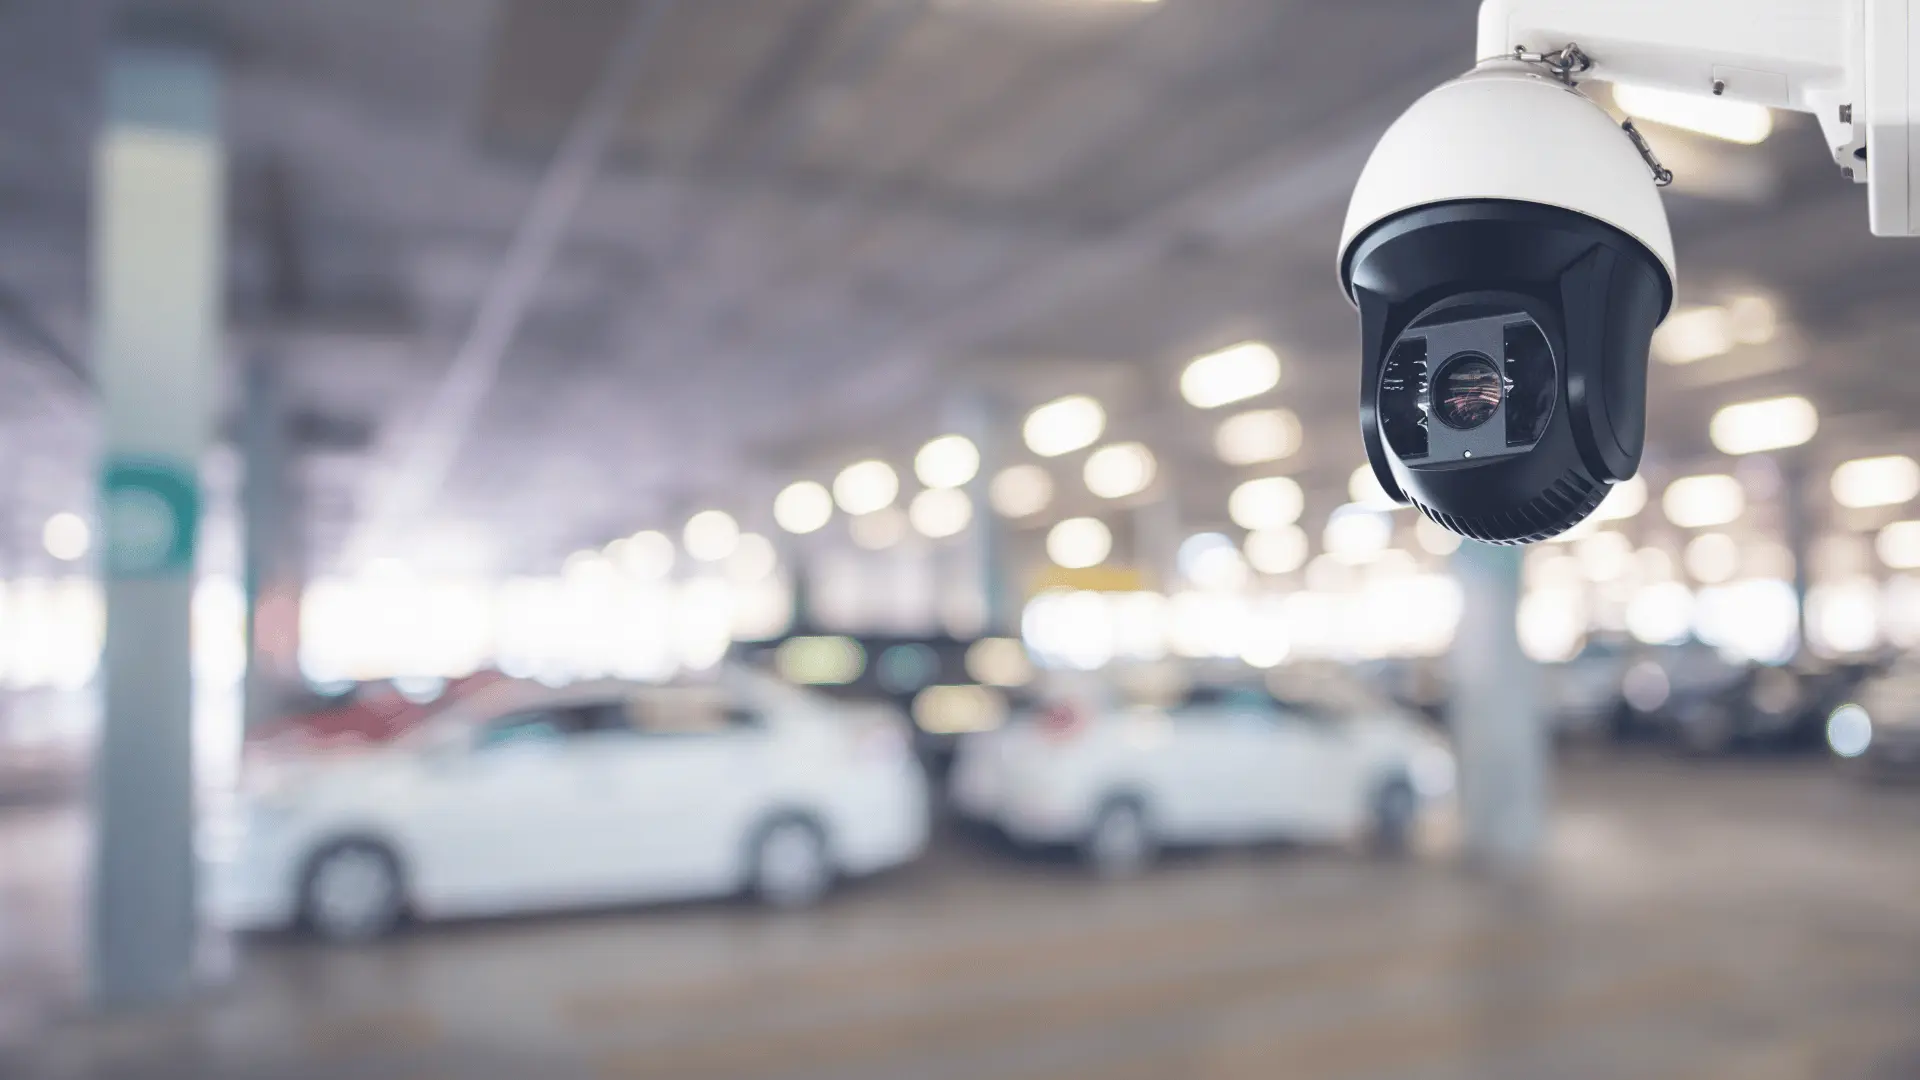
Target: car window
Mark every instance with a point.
(1214, 700)
(554, 724)
(688, 714)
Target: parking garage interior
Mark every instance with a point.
(831, 538)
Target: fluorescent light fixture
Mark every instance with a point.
(647, 555)
(1064, 425)
(1277, 551)
(1733, 121)
(1356, 533)
(1693, 334)
(947, 462)
(753, 559)
(1627, 499)
(1769, 424)
(803, 507)
(865, 487)
(1078, 543)
(66, 536)
(711, 535)
(1120, 470)
(1364, 488)
(1435, 538)
(1899, 545)
(938, 513)
(1876, 481)
(1233, 374)
(1697, 502)
(1267, 503)
(1261, 435)
(1021, 491)
(1713, 558)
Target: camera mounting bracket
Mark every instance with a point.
(1850, 64)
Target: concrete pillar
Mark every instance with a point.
(982, 418)
(157, 283)
(1799, 530)
(275, 545)
(1498, 725)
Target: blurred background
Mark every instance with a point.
(828, 538)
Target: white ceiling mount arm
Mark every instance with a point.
(1849, 63)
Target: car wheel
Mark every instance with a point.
(353, 891)
(1120, 844)
(790, 865)
(1396, 811)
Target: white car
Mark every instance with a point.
(1223, 765)
(523, 798)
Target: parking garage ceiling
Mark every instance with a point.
(821, 228)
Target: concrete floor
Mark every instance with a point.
(1749, 920)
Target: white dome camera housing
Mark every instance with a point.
(1509, 255)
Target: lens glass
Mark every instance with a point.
(1403, 391)
(1467, 392)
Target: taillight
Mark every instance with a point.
(1060, 722)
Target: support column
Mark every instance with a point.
(157, 283)
(1498, 727)
(275, 548)
(982, 419)
(1799, 530)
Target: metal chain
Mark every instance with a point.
(1662, 176)
(1562, 63)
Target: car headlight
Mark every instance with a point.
(1849, 731)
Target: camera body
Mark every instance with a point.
(1510, 258)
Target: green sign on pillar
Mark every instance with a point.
(149, 510)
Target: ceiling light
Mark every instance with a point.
(1899, 545)
(1627, 498)
(1355, 533)
(1210, 561)
(646, 555)
(866, 486)
(1696, 502)
(66, 536)
(879, 530)
(998, 661)
(1021, 491)
(1277, 551)
(711, 535)
(1734, 121)
(1364, 488)
(1713, 558)
(1064, 425)
(1693, 334)
(1768, 424)
(940, 512)
(1078, 543)
(803, 507)
(1262, 435)
(1751, 320)
(753, 559)
(1233, 374)
(1605, 556)
(1267, 503)
(1876, 481)
(947, 462)
(1435, 538)
(1120, 470)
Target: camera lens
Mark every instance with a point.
(1467, 391)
